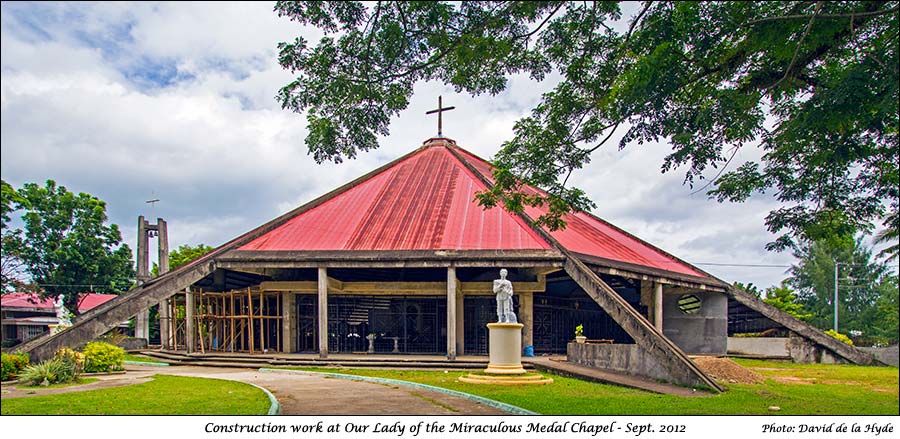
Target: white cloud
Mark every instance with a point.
(122, 100)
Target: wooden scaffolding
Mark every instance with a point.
(245, 320)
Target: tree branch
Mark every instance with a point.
(787, 71)
(823, 16)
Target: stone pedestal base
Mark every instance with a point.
(505, 366)
(505, 346)
(507, 380)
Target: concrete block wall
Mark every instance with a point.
(704, 332)
(889, 355)
(629, 359)
(803, 350)
(775, 347)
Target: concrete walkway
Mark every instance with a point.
(305, 394)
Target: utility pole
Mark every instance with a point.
(836, 264)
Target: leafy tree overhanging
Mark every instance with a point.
(702, 76)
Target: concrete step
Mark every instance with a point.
(254, 361)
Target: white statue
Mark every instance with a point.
(504, 291)
(62, 314)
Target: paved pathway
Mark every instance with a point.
(306, 394)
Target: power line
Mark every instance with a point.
(742, 265)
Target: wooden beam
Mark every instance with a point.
(289, 286)
(406, 288)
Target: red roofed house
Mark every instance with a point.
(401, 260)
(25, 315)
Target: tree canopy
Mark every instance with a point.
(11, 264)
(182, 255)
(866, 303)
(66, 246)
(813, 85)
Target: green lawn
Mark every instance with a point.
(78, 382)
(796, 389)
(164, 395)
(143, 359)
(133, 357)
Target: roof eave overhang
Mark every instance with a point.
(390, 258)
(640, 272)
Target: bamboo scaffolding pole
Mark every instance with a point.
(250, 317)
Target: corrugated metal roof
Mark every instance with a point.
(590, 235)
(425, 202)
(31, 300)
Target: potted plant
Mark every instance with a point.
(579, 334)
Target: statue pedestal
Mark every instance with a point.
(505, 345)
(505, 365)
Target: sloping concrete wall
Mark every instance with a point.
(629, 359)
(889, 355)
(762, 346)
(704, 332)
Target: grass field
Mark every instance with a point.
(142, 358)
(78, 382)
(797, 389)
(164, 395)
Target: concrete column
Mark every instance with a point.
(323, 312)
(526, 317)
(289, 322)
(658, 306)
(143, 252)
(190, 327)
(142, 318)
(451, 313)
(165, 338)
(142, 324)
(460, 323)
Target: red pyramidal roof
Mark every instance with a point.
(426, 202)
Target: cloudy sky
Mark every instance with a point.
(175, 101)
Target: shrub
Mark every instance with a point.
(71, 364)
(103, 357)
(841, 337)
(46, 373)
(12, 364)
(579, 331)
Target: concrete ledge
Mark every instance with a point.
(765, 347)
(629, 359)
(888, 355)
(274, 405)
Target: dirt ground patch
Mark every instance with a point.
(727, 371)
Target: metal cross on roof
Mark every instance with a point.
(439, 110)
